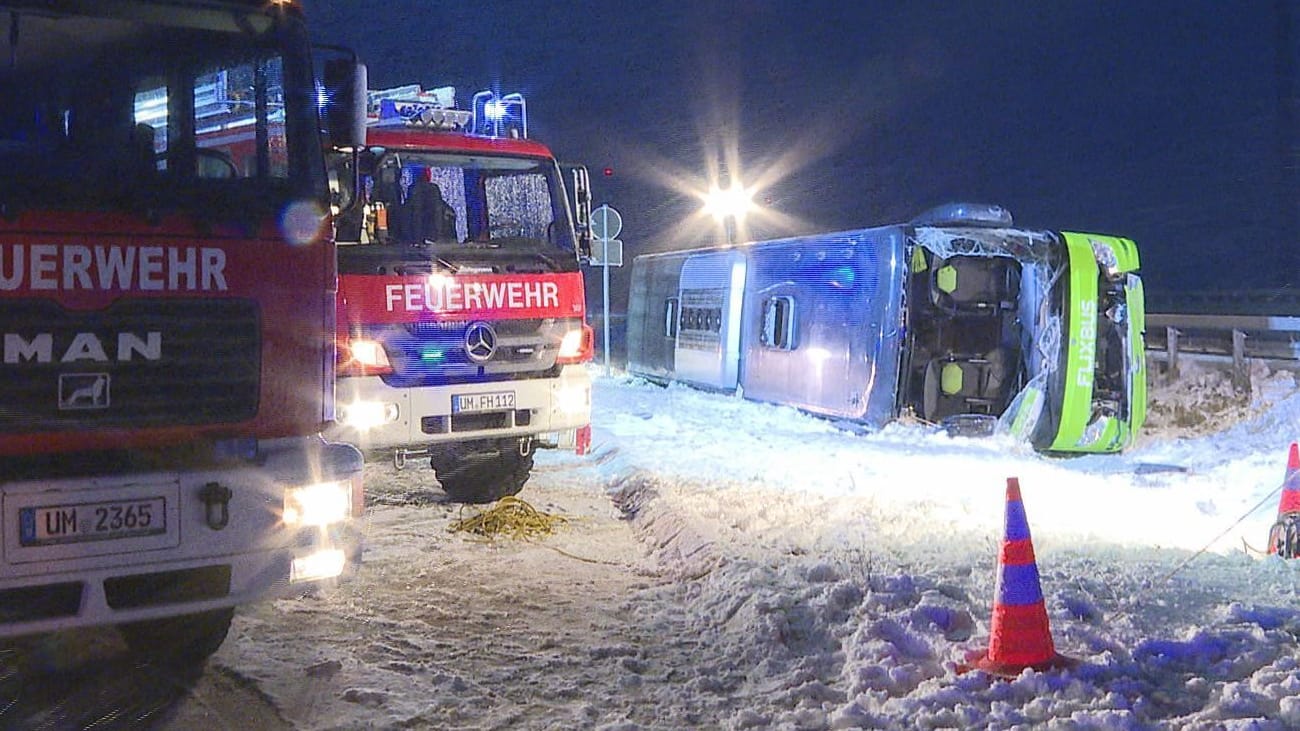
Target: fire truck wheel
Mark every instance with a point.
(189, 638)
(472, 475)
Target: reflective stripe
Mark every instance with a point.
(1017, 553)
(1019, 585)
(1017, 523)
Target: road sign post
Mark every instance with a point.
(606, 223)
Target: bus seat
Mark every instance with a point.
(975, 284)
(962, 385)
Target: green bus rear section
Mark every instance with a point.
(1085, 424)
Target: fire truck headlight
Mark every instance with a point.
(317, 505)
(364, 415)
(324, 564)
(573, 399)
(369, 353)
(571, 345)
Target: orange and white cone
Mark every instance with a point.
(1284, 536)
(1019, 636)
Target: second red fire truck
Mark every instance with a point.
(167, 311)
(462, 314)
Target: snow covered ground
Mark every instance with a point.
(729, 564)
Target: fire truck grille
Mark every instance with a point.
(138, 363)
(434, 353)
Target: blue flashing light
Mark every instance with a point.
(322, 97)
(495, 110)
(500, 116)
(433, 355)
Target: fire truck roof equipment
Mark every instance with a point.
(492, 115)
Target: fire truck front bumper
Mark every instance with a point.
(374, 416)
(99, 550)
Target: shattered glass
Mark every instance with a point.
(519, 206)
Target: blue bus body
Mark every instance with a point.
(954, 318)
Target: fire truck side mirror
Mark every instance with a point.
(582, 210)
(344, 103)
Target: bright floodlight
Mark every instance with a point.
(734, 203)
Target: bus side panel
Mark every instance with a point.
(707, 351)
(653, 314)
(822, 325)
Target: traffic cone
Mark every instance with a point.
(1290, 502)
(1284, 536)
(1019, 636)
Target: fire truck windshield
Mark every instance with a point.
(463, 208)
(114, 113)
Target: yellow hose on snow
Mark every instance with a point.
(510, 516)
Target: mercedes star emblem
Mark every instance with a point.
(480, 342)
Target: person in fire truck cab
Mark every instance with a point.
(424, 215)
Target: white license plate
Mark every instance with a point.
(494, 401)
(48, 525)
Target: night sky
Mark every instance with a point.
(1173, 123)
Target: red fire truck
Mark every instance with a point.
(462, 317)
(167, 286)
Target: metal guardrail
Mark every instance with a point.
(1266, 302)
(1227, 340)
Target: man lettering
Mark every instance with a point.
(130, 343)
(85, 346)
(39, 349)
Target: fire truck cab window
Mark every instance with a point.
(518, 206)
(460, 208)
(239, 121)
(132, 116)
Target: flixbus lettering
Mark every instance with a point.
(1087, 344)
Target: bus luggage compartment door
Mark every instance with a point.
(707, 351)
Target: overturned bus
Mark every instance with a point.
(956, 318)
